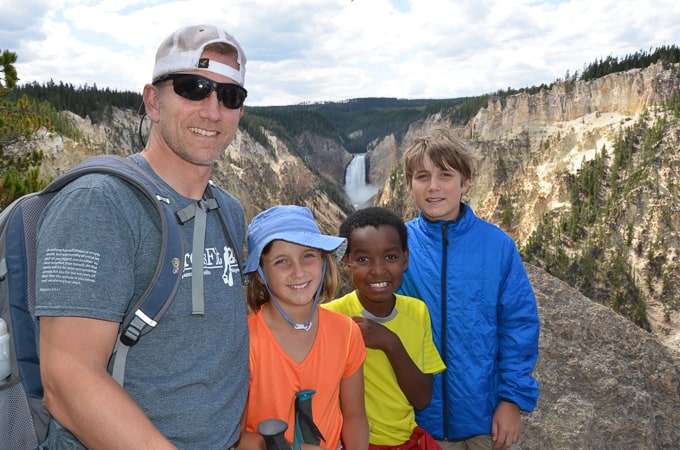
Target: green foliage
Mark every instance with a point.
(525, 90)
(21, 179)
(9, 74)
(18, 122)
(255, 126)
(85, 101)
(637, 60)
(58, 120)
(505, 205)
(20, 171)
(288, 123)
(461, 111)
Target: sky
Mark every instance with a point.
(334, 50)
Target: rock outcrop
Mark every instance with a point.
(263, 177)
(626, 93)
(604, 383)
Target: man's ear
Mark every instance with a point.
(151, 105)
(405, 265)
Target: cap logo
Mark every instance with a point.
(203, 63)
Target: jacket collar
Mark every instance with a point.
(454, 227)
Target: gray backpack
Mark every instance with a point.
(23, 416)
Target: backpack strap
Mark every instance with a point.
(228, 225)
(198, 212)
(160, 292)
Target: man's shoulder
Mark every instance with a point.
(99, 191)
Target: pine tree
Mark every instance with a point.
(20, 170)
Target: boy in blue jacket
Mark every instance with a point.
(484, 316)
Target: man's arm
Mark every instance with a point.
(80, 393)
(416, 385)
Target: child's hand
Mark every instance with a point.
(375, 335)
(506, 426)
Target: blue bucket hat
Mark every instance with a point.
(288, 223)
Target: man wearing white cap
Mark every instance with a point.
(185, 383)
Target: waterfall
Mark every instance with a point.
(356, 188)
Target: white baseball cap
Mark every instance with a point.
(182, 51)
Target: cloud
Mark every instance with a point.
(321, 50)
(21, 19)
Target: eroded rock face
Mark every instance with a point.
(382, 157)
(604, 383)
(627, 93)
(325, 155)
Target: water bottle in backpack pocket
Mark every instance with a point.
(5, 363)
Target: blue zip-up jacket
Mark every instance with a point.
(488, 336)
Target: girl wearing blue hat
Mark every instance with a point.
(298, 350)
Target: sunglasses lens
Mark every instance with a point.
(192, 88)
(195, 87)
(232, 96)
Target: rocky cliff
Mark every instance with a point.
(533, 147)
(626, 94)
(262, 177)
(604, 384)
(539, 136)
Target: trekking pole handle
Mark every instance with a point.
(272, 430)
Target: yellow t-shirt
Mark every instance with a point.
(390, 415)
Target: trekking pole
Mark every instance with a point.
(272, 431)
(305, 430)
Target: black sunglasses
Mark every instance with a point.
(196, 87)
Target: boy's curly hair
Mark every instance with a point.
(373, 216)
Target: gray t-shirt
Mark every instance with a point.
(97, 250)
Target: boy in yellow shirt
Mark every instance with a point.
(401, 357)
